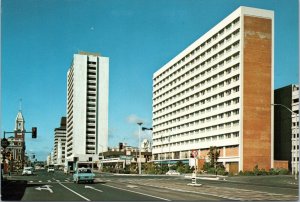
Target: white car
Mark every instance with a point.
(50, 168)
(172, 172)
(27, 171)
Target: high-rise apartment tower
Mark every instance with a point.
(286, 127)
(87, 107)
(218, 92)
(60, 142)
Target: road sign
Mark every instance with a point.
(195, 153)
(123, 157)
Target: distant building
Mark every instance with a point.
(60, 142)
(286, 125)
(119, 159)
(19, 140)
(87, 108)
(218, 92)
(15, 158)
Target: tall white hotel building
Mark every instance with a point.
(218, 92)
(87, 108)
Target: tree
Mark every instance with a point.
(213, 154)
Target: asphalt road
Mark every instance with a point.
(59, 187)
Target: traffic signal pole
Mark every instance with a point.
(33, 132)
(5, 143)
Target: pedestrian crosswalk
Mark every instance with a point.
(51, 181)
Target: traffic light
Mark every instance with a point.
(120, 146)
(34, 132)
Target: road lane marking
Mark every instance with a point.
(40, 181)
(45, 187)
(137, 192)
(90, 187)
(131, 186)
(74, 192)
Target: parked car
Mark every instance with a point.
(83, 175)
(172, 172)
(27, 171)
(50, 168)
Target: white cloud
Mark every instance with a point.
(134, 119)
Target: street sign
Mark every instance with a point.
(195, 153)
(123, 157)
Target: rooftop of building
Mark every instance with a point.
(242, 10)
(88, 53)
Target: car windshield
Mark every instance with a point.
(84, 171)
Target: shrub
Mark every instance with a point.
(257, 171)
(264, 172)
(283, 171)
(206, 166)
(212, 170)
(248, 173)
(222, 172)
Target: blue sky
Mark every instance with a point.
(39, 39)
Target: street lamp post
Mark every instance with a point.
(144, 128)
(139, 163)
(293, 113)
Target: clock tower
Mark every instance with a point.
(18, 147)
(20, 126)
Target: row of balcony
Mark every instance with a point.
(200, 49)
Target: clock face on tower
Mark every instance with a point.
(19, 126)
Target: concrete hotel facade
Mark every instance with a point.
(218, 92)
(87, 107)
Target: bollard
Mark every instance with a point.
(194, 181)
